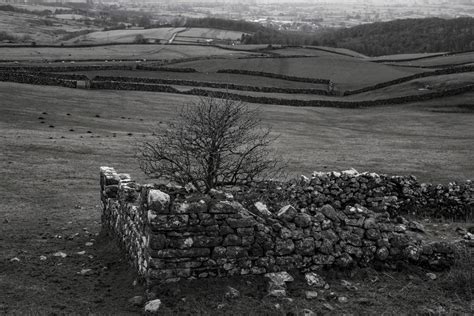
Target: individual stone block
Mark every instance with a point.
(241, 222)
(382, 254)
(284, 247)
(226, 207)
(111, 191)
(181, 253)
(330, 212)
(232, 240)
(206, 241)
(302, 220)
(181, 243)
(262, 209)
(236, 252)
(287, 213)
(158, 201)
(157, 241)
(305, 246)
(219, 252)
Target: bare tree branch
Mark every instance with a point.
(212, 143)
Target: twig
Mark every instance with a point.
(391, 277)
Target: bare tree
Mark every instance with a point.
(212, 143)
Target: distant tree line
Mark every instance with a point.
(405, 36)
(10, 8)
(382, 38)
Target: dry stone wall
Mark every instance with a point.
(171, 234)
(397, 195)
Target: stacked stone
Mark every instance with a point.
(173, 235)
(198, 239)
(395, 194)
(36, 78)
(123, 215)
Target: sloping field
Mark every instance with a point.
(295, 51)
(66, 16)
(411, 88)
(50, 200)
(209, 33)
(207, 77)
(112, 52)
(249, 47)
(442, 60)
(42, 30)
(347, 73)
(40, 7)
(126, 36)
(341, 51)
(403, 56)
(419, 86)
(368, 139)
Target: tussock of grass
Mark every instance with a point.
(460, 279)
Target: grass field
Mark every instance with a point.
(126, 36)
(442, 60)
(164, 34)
(116, 52)
(50, 200)
(41, 30)
(53, 141)
(346, 72)
(401, 57)
(197, 34)
(207, 77)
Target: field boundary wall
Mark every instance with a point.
(169, 233)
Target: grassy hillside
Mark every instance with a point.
(113, 52)
(347, 73)
(53, 141)
(126, 36)
(26, 28)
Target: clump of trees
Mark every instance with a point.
(211, 143)
(140, 39)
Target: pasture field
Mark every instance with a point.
(50, 199)
(112, 52)
(40, 7)
(342, 51)
(41, 30)
(402, 57)
(126, 36)
(66, 16)
(296, 51)
(197, 34)
(206, 77)
(442, 60)
(418, 86)
(249, 47)
(347, 73)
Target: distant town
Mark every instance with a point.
(306, 16)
